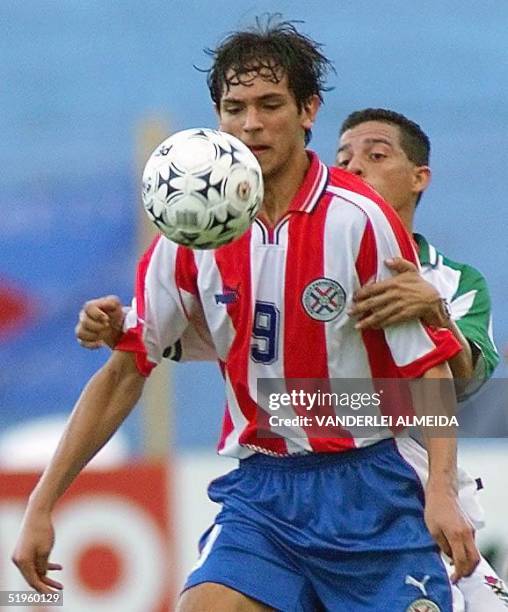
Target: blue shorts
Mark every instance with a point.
(340, 531)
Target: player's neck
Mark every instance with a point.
(281, 188)
(406, 214)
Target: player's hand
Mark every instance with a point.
(451, 530)
(404, 297)
(32, 551)
(100, 322)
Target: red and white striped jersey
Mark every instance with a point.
(275, 303)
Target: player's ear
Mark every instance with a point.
(309, 111)
(421, 179)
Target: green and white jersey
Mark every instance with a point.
(467, 293)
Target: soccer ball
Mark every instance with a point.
(202, 188)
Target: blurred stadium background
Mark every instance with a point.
(86, 89)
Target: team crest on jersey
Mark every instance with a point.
(323, 299)
(498, 588)
(423, 605)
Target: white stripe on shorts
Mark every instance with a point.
(207, 548)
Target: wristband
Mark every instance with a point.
(446, 310)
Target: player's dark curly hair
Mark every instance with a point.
(413, 140)
(272, 48)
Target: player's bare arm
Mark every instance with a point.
(105, 402)
(405, 297)
(445, 520)
(100, 322)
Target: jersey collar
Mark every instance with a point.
(427, 254)
(313, 186)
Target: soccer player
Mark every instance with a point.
(306, 522)
(391, 153)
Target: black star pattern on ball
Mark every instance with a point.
(162, 181)
(230, 217)
(251, 210)
(157, 219)
(235, 152)
(188, 238)
(204, 190)
(222, 151)
(200, 133)
(222, 224)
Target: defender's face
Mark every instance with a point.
(264, 115)
(372, 151)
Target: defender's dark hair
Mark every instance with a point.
(413, 140)
(271, 48)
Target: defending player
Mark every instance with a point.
(293, 530)
(391, 153)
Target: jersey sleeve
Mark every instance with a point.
(471, 311)
(195, 344)
(413, 347)
(164, 298)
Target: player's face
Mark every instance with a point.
(372, 150)
(264, 115)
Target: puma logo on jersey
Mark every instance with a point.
(230, 296)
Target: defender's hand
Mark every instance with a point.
(100, 322)
(404, 297)
(32, 552)
(451, 530)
